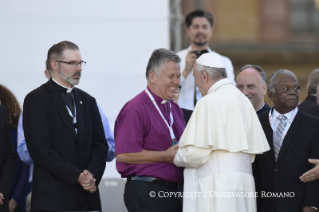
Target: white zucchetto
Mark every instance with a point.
(211, 60)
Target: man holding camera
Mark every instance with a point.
(199, 28)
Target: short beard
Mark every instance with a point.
(68, 79)
(200, 43)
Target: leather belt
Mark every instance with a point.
(160, 182)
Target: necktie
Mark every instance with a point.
(69, 97)
(278, 134)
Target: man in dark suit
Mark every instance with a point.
(65, 137)
(251, 81)
(293, 137)
(8, 160)
(309, 105)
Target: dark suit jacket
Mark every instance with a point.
(187, 115)
(300, 143)
(8, 159)
(59, 154)
(310, 106)
(263, 109)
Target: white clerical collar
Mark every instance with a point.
(164, 101)
(275, 114)
(219, 83)
(69, 90)
(261, 107)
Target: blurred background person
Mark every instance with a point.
(199, 30)
(21, 186)
(309, 105)
(251, 81)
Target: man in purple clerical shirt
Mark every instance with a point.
(147, 131)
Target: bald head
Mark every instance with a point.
(251, 83)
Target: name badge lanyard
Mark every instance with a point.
(288, 124)
(73, 117)
(170, 114)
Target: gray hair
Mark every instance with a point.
(274, 76)
(317, 93)
(214, 73)
(313, 82)
(257, 68)
(158, 58)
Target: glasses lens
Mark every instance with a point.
(297, 88)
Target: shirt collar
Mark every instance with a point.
(261, 107)
(68, 90)
(157, 99)
(218, 84)
(275, 114)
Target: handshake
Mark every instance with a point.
(87, 181)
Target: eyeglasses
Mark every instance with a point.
(286, 89)
(74, 64)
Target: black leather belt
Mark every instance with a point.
(160, 182)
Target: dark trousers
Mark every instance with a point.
(82, 203)
(141, 196)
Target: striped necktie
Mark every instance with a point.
(280, 129)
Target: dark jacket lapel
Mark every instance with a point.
(296, 123)
(264, 119)
(58, 102)
(79, 114)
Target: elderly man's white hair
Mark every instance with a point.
(212, 64)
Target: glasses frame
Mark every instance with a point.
(73, 63)
(295, 88)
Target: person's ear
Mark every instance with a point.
(205, 76)
(264, 89)
(151, 76)
(54, 65)
(270, 95)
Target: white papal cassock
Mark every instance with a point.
(217, 148)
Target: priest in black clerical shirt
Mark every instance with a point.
(65, 137)
(251, 81)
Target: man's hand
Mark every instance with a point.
(308, 209)
(87, 181)
(190, 60)
(312, 174)
(86, 172)
(1, 198)
(12, 205)
(169, 154)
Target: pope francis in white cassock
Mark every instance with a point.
(219, 144)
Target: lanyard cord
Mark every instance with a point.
(170, 114)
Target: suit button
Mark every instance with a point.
(276, 169)
(81, 150)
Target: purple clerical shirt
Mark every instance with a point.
(140, 126)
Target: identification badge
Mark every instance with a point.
(174, 142)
